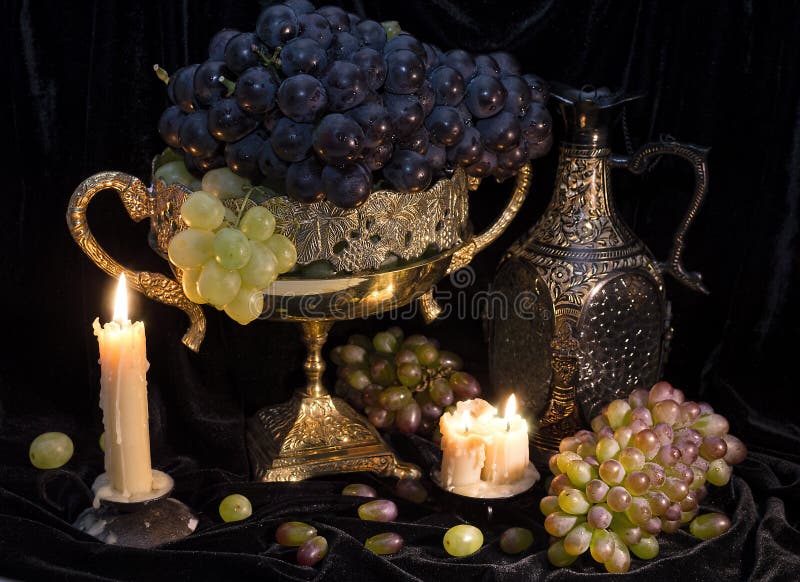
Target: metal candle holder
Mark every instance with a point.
(144, 522)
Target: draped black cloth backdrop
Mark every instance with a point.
(81, 97)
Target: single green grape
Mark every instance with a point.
(294, 533)
(385, 543)
(358, 379)
(579, 473)
(395, 398)
(261, 269)
(616, 412)
(558, 523)
(647, 548)
(392, 28)
(285, 251)
(235, 507)
(577, 541)
(427, 354)
(246, 306)
(385, 342)
(231, 248)
(409, 374)
(573, 501)
(216, 285)
(602, 545)
(620, 560)
(51, 450)
(516, 540)
(257, 223)
(462, 540)
(709, 525)
(203, 210)
(174, 173)
(191, 248)
(189, 285)
(719, 472)
(565, 458)
(549, 504)
(558, 556)
(224, 184)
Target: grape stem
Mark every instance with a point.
(161, 73)
(269, 60)
(243, 206)
(229, 85)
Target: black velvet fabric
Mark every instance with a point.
(81, 97)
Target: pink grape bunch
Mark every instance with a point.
(641, 470)
(401, 382)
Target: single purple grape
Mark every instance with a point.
(508, 63)
(371, 64)
(345, 84)
(180, 88)
(272, 167)
(448, 86)
(372, 34)
(302, 98)
(239, 54)
(375, 158)
(292, 141)
(501, 132)
(518, 95)
(468, 151)
(315, 27)
(347, 186)
(207, 86)
(256, 89)
(242, 156)
(338, 139)
(336, 17)
(304, 183)
(343, 46)
(216, 46)
(194, 135)
(227, 122)
(463, 62)
(485, 166)
(408, 171)
(277, 24)
(485, 96)
(374, 122)
(169, 126)
(486, 65)
(405, 71)
(303, 55)
(405, 41)
(405, 113)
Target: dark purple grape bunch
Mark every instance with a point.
(319, 104)
(399, 382)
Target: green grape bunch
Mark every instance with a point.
(399, 382)
(640, 471)
(228, 260)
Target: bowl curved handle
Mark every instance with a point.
(461, 258)
(139, 205)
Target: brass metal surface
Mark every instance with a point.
(313, 433)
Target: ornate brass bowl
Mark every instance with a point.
(383, 255)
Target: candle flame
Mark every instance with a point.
(121, 301)
(511, 407)
(467, 418)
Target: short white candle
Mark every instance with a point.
(462, 450)
(507, 452)
(123, 399)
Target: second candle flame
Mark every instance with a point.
(511, 410)
(121, 301)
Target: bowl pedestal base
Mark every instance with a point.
(316, 434)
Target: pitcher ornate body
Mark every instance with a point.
(599, 323)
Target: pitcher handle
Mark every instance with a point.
(139, 205)
(698, 157)
(462, 257)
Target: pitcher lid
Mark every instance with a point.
(589, 111)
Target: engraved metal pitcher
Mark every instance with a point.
(597, 323)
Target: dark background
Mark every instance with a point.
(81, 98)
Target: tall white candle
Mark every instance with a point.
(507, 453)
(123, 399)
